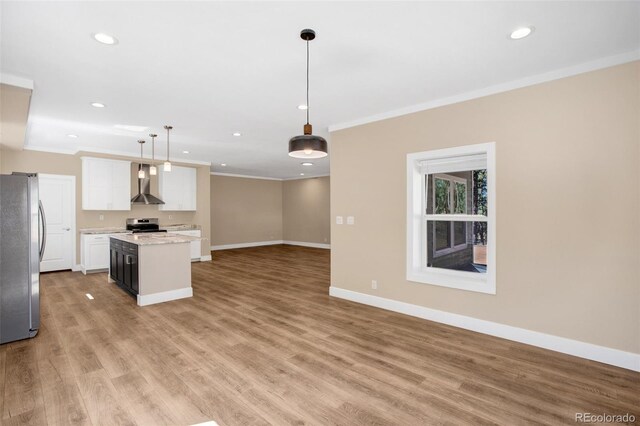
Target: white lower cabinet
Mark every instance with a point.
(195, 245)
(94, 252)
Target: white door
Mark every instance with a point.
(58, 196)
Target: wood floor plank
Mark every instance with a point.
(101, 399)
(22, 389)
(262, 342)
(3, 363)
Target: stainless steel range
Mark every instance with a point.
(150, 224)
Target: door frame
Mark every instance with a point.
(74, 261)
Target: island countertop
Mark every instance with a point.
(109, 230)
(118, 229)
(154, 238)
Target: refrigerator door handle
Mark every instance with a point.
(43, 238)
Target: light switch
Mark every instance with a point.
(351, 220)
(339, 220)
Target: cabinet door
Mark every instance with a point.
(95, 253)
(189, 180)
(195, 245)
(133, 260)
(106, 184)
(113, 264)
(98, 255)
(121, 185)
(120, 267)
(126, 279)
(96, 189)
(195, 249)
(177, 188)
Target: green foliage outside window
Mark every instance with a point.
(460, 198)
(442, 196)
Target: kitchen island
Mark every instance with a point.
(154, 267)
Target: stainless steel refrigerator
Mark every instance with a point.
(22, 241)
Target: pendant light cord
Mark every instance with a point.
(167, 145)
(307, 81)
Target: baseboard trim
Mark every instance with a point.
(616, 357)
(165, 296)
(76, 268)
(205, 258)
(269, 243)
(305, 244)
(245, 245)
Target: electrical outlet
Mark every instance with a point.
(351, 220)
(101, 217)
(339, 220)
(374, 284)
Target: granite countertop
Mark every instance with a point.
(118, 230)
(180, 227)
(152, 238)
(112, 230)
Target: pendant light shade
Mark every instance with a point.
(308, 145)
(141, 173)
(153, 170)
(167, 164)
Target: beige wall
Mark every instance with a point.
(305, 212)
(14, 110)
(568, 205)
(245, 210)
(43, 162)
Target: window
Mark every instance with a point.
(451, 217)
(449, 195)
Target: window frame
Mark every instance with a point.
(416, 254)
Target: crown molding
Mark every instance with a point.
(14, 80)
(597, 64)
(110, 152)
(306, 177)
(266, 178)
(51, 150)
(244, 176)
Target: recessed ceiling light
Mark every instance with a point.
(223, 164)
(97, 105)
(301, 174)
(105, 38)
(131, 128)
(72, 136)
(521, 33)
(303, 107)
(237, 134)
(307, 164)
(185, 152)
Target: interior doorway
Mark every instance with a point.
(58, 197)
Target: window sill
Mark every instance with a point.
(469, 281)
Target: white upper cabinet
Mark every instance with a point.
(106, 184)
(177, 188)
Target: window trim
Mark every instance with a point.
(416, 244)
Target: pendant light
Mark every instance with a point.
(141, 174)
(153, 170)
(307, 145)
(167, 164)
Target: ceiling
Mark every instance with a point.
(214, 68)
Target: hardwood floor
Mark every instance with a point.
(261, 342)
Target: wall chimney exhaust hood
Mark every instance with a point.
(144, 189)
